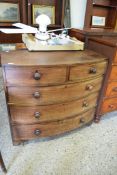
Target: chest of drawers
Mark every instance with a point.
(50, 93)
(110, 98)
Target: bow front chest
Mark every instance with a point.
(50, 93)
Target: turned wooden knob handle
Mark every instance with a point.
(37, 75)
(89, 87)
(93, 70)
(85, 104)
(36, 94)
(37, 115)
(111, 106)
(37, 132)
(115, 89)
(82, 120)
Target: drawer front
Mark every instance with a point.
(35, 75)
(109, 105)
(29, 115)
(113, 75)
(111, 89)
(54, 94)
(26, 132)
(87, 70)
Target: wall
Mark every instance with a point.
(78, 8)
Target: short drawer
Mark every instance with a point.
(87, 70)
(35, 114)
(53, 94)
(26, 132)
(111, 89)
(109, 105)
(113, 75)
(34, 75)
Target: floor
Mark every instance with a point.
(91, 150)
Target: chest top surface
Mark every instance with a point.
(26, 58)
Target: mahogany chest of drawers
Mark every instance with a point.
(50, 93)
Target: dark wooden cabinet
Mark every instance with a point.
(59, 11)
(21, 9)
(108, 47)
(14, 38)
(86, 33)
(50, 93)
(101, 8)
(26, 17)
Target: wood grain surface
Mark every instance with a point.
(37, 114)
(27, 132)
(52, 94)
(26, 75)
(25, 58)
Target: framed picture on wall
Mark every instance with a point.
(43, 9)
(9, 12)
(98, 21)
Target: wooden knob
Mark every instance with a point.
(93, 70)
(89, 87)
(37, 75)
(111, 106)
(37, 115)
(37, 132)
(36, 94)
(82, 120)
(114, 89)
(85, 104)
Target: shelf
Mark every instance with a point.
(103, 27)
(103, 5)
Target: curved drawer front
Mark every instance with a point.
(113, 75)
(111, 89)
(34, 114)
(53, 94)
(109, 105)
(35, 75)
(26, 132)
(87, 70)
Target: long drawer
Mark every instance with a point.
(36, 75)
(27, 132)
(53, 94)
(87, 70)
(34, 114)
(109, 105)
(111, 89)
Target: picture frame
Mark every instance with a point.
(9, 12)
(98, 21)
(43, 9)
